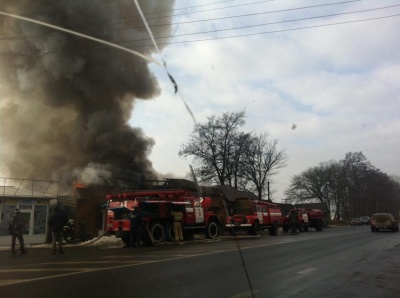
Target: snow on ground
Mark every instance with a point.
(103, 240)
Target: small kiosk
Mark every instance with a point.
(34, 207)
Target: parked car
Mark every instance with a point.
(355, 222)
(365, 220)
(384, 221)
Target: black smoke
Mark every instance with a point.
(65, 101)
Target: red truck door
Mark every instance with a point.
(199, 211)
(262, 214)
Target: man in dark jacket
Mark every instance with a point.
(56, 223)
(293, 221)
(15, 228)
(135, 223)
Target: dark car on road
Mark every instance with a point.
(384, 221)
(355, 222)
(365, 220)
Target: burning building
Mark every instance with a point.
(65, 100)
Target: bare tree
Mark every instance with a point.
(228, 156)
(352, 187)
(310, 185)
(262, 161)
(215, 146)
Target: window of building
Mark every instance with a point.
(7, 212)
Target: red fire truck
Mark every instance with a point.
(307, 218)
(254, 216)
(155, 208)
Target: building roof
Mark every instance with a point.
(231, 193)
(12, 191)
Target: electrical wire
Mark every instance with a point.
(222, 18)
(189, 7)
(266, 24)
(164, 63)
(276, 31)
(237, 28)
(248, 15)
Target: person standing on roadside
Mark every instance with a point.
(178, 216)
(293, 221)
(56, 223)
(15, 227)
(135, 223)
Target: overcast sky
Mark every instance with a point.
(339, 84)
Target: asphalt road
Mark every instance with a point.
(338, 262)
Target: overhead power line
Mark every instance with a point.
(220, 38)
(247, 15)
(219, 8)
(210, 19)
(266, 24)
(282, 30)
(54, 50)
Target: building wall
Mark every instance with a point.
(35, 213)
(89, 218)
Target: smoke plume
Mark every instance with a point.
(65, 101)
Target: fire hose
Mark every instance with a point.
(152, 239)
(96, 239)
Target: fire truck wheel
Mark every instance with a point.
(320, 226)
(211, 230)
(255, 229)
(157, 232)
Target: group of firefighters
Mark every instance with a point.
(136, 225)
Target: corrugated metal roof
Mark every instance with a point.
(12, 191)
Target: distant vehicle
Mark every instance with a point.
(365, 220)
(355, 222)
(384, 221)
(307, 218)
(254, 216)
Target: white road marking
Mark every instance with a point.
(123, 264)
(11, 281)
(44, 269)
(308, 270)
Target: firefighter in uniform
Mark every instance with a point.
(177, 215)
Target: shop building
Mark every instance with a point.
(34, 207)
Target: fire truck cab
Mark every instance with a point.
(254, 216)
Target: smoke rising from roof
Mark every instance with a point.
(65, 101)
